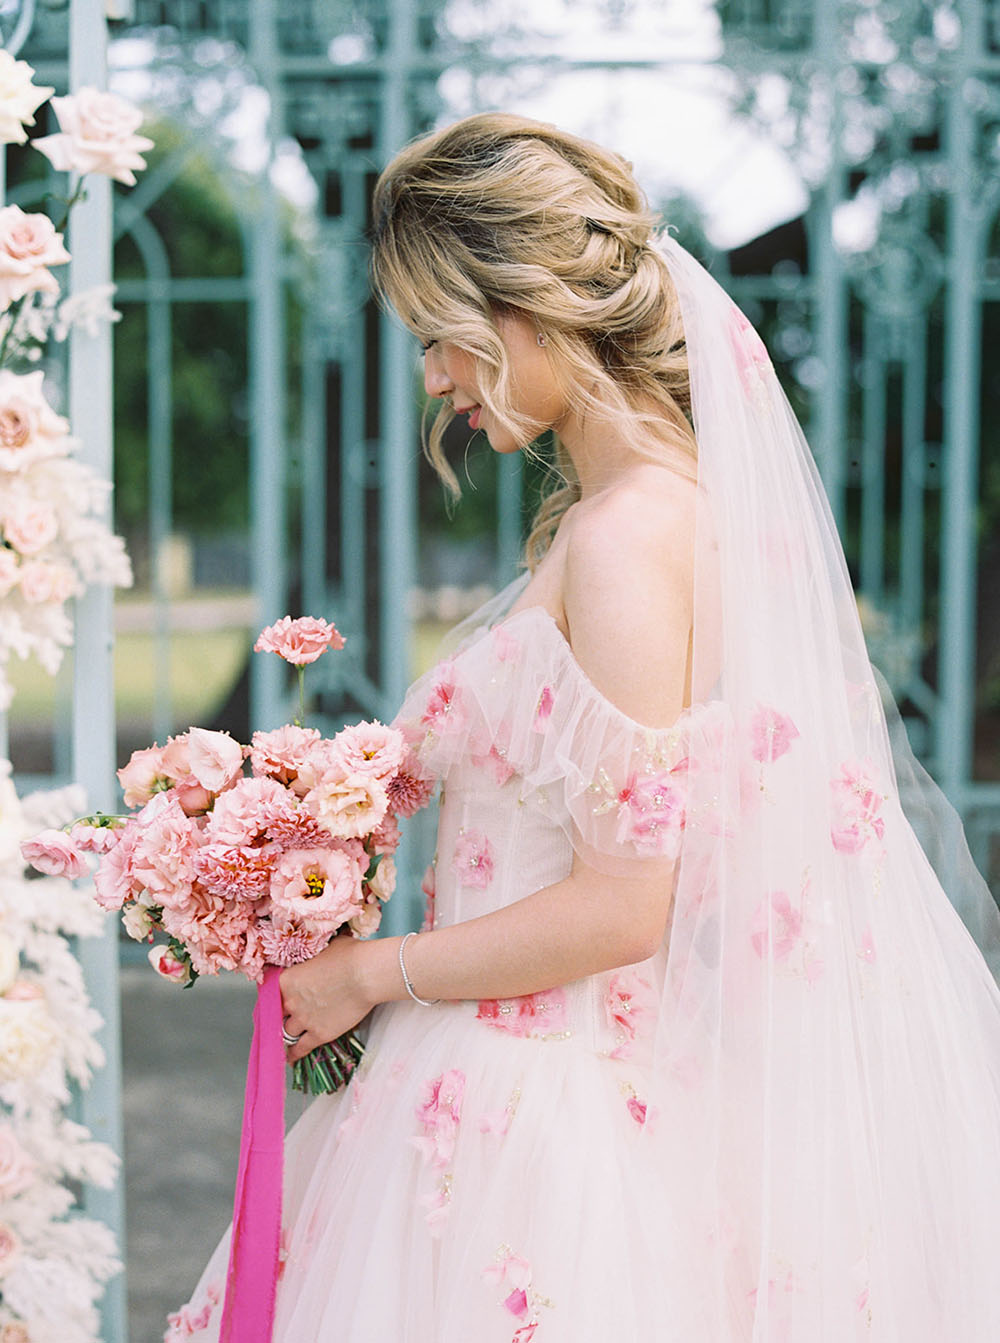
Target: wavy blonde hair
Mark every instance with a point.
(501, 214)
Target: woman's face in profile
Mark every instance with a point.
(452, 373)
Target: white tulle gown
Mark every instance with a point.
(484, 1178)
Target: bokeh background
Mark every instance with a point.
(834, 161)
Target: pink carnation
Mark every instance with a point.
(291, 943)
(388, 835)
(113, 878)
(299, 641)
(321, 888)
(234, 871)
(240, 813)
(55, 854)
(164, 853)
(370, 748)
(279, 754)
(410, 788)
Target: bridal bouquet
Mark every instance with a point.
(246, 869)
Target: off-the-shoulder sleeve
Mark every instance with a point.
(515, 703)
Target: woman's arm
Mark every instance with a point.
(628, 603)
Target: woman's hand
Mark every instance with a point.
(326, 996)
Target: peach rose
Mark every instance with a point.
(29, 526)
(29, 428)
(97, 135)
(29, 245)
(55, 854)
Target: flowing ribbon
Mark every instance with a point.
(252, 1279)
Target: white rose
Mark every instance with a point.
(17, 1169)
(10, 1249)
(19, 99)
(97, 136)
(10, 963)
(29, 244)
(137, 922)
(28, 1037)
(29, 526)
(29, 428)
(383, 883)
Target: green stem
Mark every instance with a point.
(300, 721)
(13, 313)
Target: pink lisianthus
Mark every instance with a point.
(778, 923)
(771, 734)
(54, 853)
(321, 888)
(472, 860)
(370, 748)
(191, 793)
(97, 134)
(651, 810)
(143, 776)
(531, 1014)
(628, 1000)
(292, 942)
(410, 788)
(299, 641)
(348, 805)
(439, 1111)
(95, 838)
(168, 965)
(29, 245)
(279, 754)
(240, 813)
(215, 759)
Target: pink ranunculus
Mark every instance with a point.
(651, 810)
(29, 245)
(472, 860)
(771, 734)
(321, 888)
(216, 760)
(292, 942)
(778, 922)
(279, 754)
(168, 965)
(299, 641)
(28, 526)
(97, 134)
(527, 1016)
(410, 788)
(628, 1001)
(17, 1169)
(348, 805)
(439, 1111)
(370, 748)
(55, 854)
(143, 776)
(240, 814)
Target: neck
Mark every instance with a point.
(598, 451)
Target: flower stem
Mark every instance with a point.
(300, 721)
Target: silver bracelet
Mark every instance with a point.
(424, 1002)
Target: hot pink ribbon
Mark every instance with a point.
(252, 1279)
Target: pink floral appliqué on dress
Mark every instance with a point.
(543, 708)
(856, 806)
(532, 1014)
(429, 887)
(628, 1000)
(504, 644)
(472, 860)
(777, 913)
(187, 1322)
(651, 810)
(439, 1112)
(771, 734)
(512, 1274)
(444, 712)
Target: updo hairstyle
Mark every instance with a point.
(500, 214)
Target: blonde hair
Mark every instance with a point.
(501, 214)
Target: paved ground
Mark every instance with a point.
(185, 1057)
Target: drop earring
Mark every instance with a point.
(540, 338)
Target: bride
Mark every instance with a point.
(693, 1046)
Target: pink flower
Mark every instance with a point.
(143, 776)
(95, 838)
(749, 351)
(856, 806)
(530, 1015)
(233, 871)
(628, 1000)
(28, 526)
(444, 712)
(169, 965)
(512, 1274)
(292, 942)
(162, 861)
(299, 641)
(543, 708)
(289, 826)
(472, 860)
(320, 888)
(10, 569)
(439, 1111)
(113, 878)
(29, 244)
(43, 582)
(771, 733)
(55, 854)
(19, 100)
(386, 839)
(347, 805)
(410, 788)
(30, 429)
(279, 754)
(370, 748)
(495, 759)
(97, 134)
(367, 921)
(216, 760)
(241, 814)
(776, 921)
(637, 1109)
(651, 810)
(428, 887)
(190, 792)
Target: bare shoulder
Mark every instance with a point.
(628, 591)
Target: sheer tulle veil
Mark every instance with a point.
(829, 1039)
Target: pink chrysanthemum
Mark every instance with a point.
(410, 789)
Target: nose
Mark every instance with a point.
(436, 381)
